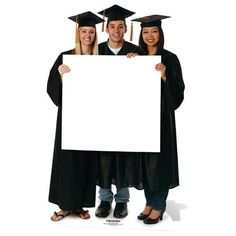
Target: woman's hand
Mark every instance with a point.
(63, 69)
(131, 54)
(162, 68)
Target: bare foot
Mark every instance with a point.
(60, 215)
(83, 214)
(154, 214)
(147, 210)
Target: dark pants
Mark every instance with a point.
(156, 200)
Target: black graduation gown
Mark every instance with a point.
(73, 174)
(160, 170)
(120, 168)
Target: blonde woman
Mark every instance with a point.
(73, 175)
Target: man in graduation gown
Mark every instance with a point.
(116, 167)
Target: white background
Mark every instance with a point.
(201, 33)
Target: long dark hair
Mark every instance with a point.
(160, 44)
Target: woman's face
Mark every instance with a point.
(151, 35)
(87, 35)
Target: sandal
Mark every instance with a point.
(83, 214)
(60, 215)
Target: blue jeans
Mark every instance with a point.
(106, 194)
(156, 200)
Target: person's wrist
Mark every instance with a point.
(163, 78)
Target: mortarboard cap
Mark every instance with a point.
(116, 13)
(86, 19)
(152, 20)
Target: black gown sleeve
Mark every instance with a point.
(54, 85)
(173, 87)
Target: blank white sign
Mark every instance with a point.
(111, 103)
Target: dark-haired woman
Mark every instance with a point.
(161, 169)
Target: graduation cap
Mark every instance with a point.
(152, 20)
(114, 13)
(86, 19)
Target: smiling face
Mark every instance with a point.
(151, 35)
(116, 30)
(87, 35)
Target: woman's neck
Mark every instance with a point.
(86, 50)
(115, 44)
(152, 50)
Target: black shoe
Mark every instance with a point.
(103, 209)
(151, 221)
(121, 210)
(142, 216)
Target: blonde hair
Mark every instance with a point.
(78, 50)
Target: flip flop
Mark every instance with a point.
(60, 216)
(83, 214)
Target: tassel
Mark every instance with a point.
(103, 21)
(131, 32)
(76, 31)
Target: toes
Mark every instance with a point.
(54, 218)
(84, 215)
(81, 216)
